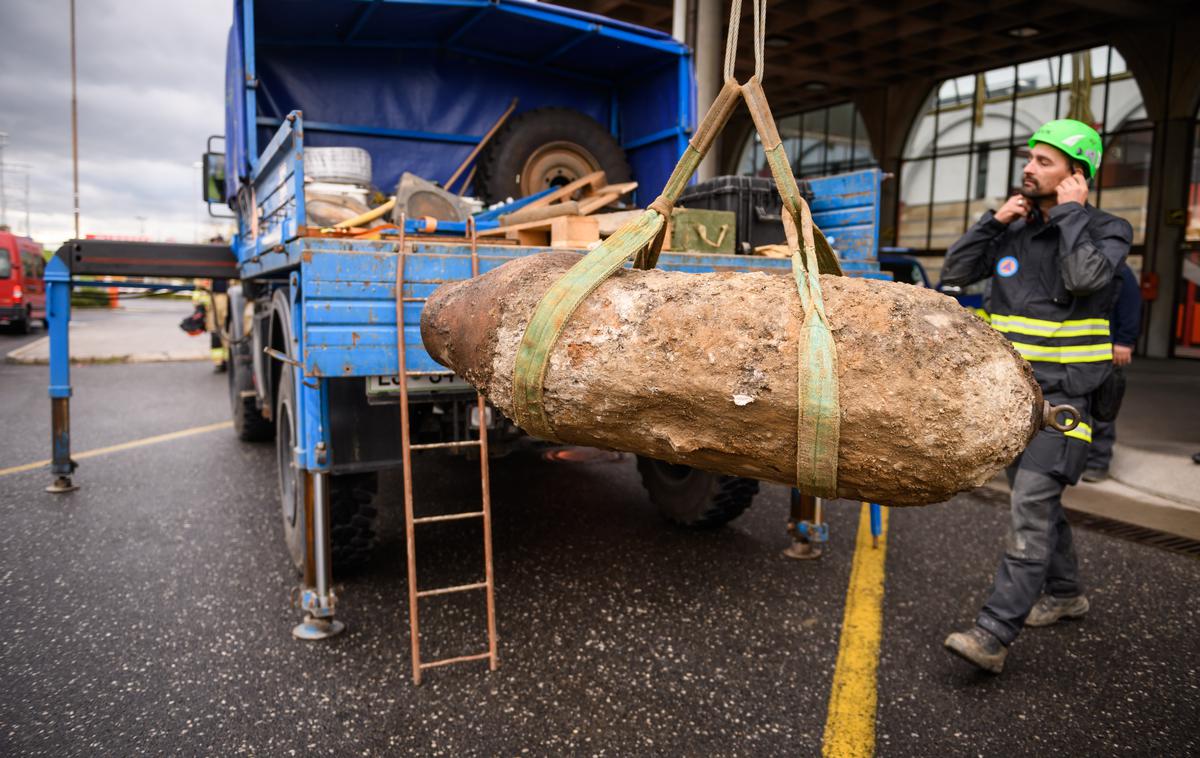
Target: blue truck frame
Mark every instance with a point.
(325, 306)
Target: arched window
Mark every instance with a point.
(966, 150)
(825, 141)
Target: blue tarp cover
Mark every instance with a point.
(449, 69)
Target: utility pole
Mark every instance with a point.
(74, 124)
(3, 202)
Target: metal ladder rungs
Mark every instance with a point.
(436, 445)
(460, 659)
(451, 590)
(448, 517)
(485, 514)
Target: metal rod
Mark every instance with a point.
(58, 313)
(436, 445)
(485, 479)
(450, 517)
(451, 590)
(410, 537)
(310, 543)
(479, 145)
(459, 659)
(74, 125)
(321, 532)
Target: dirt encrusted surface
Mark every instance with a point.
(701, 369)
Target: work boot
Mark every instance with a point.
(1095, 475)
(979, 647)
(1050, 610)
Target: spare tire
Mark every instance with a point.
(545, 148)
(339, 165)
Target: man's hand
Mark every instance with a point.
(1073, 189)
(1122, 355)
(1016, 207)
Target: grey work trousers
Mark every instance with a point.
(1040, 554)
(1104, 435)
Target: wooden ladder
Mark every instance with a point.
(411, 521)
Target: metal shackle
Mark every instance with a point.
(1050, 414)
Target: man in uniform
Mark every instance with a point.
(1051, 258)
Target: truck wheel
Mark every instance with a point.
(352, 514)
(352, 511)
(291, 481)
(693, 498)
(546, 148)
(248, 421)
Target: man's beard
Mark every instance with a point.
(1034, 192)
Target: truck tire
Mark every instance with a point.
(352, 511)
(694, 498)
(352, 515)
(248, 421)
(546, 148)
(21, 326)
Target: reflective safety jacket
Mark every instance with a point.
(1051, 288)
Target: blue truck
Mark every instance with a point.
(317, 361)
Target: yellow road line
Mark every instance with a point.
(850, 724)
(124, 446)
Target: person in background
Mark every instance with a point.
(1125, 325)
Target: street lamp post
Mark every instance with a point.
(3, 201)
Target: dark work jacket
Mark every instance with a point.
(1127, 307)
(1051, 291)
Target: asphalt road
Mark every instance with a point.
(148, 613)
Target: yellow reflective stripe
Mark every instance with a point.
(981, 313)
(1040, 328)
(1043, 322)
(1081, 432)
(1066, 353)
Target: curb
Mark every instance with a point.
(1120, 502)
(25, 356)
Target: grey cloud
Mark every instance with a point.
(151, 89)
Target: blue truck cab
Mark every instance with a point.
(319, 320)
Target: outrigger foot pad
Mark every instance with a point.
(62, 484)
(318, 629)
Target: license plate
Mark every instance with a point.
(384, 386)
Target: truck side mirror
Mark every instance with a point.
(214, 178)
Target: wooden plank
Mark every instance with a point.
(596, 180)
(574, 231)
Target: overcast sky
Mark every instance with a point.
(151, 77)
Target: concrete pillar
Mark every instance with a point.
(679, 13)
(1163, 60)
(888, 114)
(1170, 174)
(709, 47)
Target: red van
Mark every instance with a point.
(22, 291)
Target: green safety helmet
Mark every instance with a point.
(1078, 140)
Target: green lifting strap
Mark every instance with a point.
(818, 422)
(641, 239)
